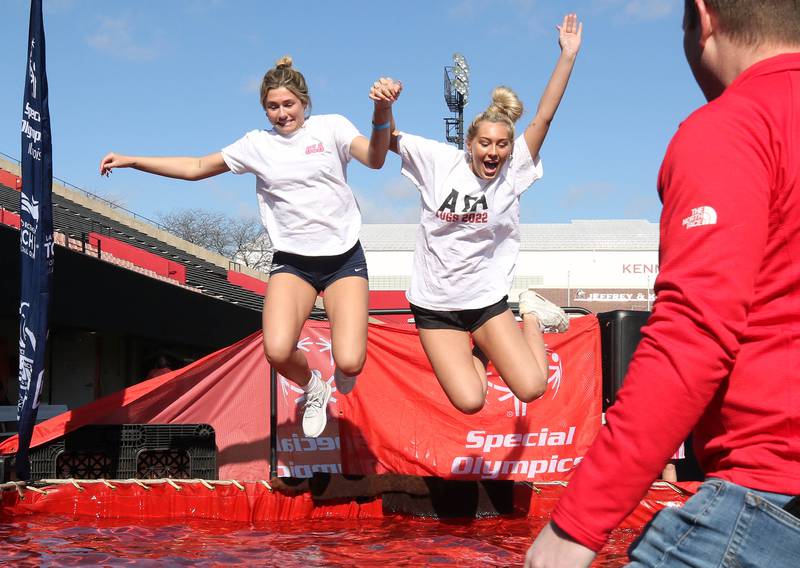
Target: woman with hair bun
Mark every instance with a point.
(312, 219)
(468, 243)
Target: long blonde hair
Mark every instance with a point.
(284, 75)
(505, 107)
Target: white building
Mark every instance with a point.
(600, 265)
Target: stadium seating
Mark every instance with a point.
(77, 222)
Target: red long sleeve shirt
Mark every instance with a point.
(721, 350)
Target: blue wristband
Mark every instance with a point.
(383, 126)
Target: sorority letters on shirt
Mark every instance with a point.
(474, 209)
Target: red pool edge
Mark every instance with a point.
(256, 502)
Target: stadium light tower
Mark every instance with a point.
(456, 95)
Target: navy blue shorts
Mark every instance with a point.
(322, 271)
(462, 320)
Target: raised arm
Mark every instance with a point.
(187, 168)
(569, 38)
(372, 152)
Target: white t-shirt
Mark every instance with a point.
(468, 237)
(301, 184)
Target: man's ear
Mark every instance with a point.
(706, 20)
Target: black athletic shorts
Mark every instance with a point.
(462, 320)
(321, 271)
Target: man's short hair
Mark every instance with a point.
(753, 22)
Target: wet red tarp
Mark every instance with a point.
(117, 523)
(253, 502)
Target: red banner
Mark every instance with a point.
(399, 420)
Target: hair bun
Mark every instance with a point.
(505, 101)
(284, 62)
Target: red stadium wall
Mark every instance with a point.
(10, 180)
(9, 218)
(247, 282)
(142, 258)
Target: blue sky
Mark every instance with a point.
(181, 77)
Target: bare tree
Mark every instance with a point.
(241, 239)
(202, 228)
(250, 244)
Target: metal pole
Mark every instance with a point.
(460, 122)
(569, 291)
(273, 423)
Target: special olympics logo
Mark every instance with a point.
(556, 374)
(556, 371)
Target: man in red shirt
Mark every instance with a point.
(721, 351)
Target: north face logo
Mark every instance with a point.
(705, 215)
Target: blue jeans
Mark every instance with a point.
(722, 525)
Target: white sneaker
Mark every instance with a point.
(315, 410)
(344, 383)
(551, 317)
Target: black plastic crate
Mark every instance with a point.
(124, 451)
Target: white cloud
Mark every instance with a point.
(115, 37)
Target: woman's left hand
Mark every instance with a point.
(569, 34)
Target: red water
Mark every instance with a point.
(42, 540)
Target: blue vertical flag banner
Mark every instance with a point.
(35, 238)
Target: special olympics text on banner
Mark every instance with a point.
(398, 420)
